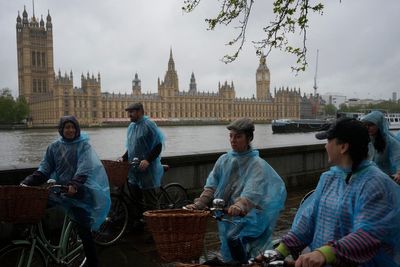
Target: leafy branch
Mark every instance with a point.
(290, 16)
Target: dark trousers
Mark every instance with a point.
(236, 244)
(81, 218)
(142, 200)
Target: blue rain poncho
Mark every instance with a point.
(142, 137)
(370, 202)
(67, 159)
(389, 159)
(246, 175)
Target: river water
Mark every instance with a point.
(26, 147)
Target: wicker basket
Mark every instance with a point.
(117, 172)
(22, 204)
(178, 234)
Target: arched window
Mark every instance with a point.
(33, 58)
(39, 86)
(43, 60)
(34, 86)
(38, 58)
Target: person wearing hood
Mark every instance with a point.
(71, 161)
(144, 143)
(253, 192)
(351, 219)
(384, 148)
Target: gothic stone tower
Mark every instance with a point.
(35, 56)
(263, 80)
(170, 85)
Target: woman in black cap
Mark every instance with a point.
(352, 217)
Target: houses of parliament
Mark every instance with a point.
(51, 95)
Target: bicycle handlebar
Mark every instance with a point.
(59, 189)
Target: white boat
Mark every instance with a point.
(392, 118)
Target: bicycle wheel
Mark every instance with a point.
(74, 253)
(306, 196)
(115, 224)
(173, 196)
(18, 255)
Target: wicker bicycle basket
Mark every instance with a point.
(178, 234)
(22, 204)
(117, 172)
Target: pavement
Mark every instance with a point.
(137, 248)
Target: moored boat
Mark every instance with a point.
(392, 118)
(299, 126)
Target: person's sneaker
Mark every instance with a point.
(214, 262)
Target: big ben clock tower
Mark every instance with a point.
(263, 80)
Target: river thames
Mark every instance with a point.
(26, 147)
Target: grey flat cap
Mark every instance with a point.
(242, 124)
(135, 106)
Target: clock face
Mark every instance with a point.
(259, 76)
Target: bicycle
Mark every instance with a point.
(266, 259)
(36, 250)
(170, 196)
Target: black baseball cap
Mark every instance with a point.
(135, 106)
(347, 130)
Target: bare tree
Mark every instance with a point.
(290, 16)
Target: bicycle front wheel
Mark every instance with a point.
(18, 255)
(173, 196)
(115, 224)
(74, 253)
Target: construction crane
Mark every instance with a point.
(315, 76)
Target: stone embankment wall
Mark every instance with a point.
(297, 165)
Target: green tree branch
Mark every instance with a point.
(290, 16)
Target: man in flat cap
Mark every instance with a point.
(143, 148)
(254, 194)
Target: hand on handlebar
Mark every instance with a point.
(143, 165)
(71, 190)
(235, 210)
(268, 256)
(196, 206)
(396, 177)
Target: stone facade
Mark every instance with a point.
(51, 96)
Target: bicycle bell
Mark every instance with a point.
(135, 162)
(218, 204)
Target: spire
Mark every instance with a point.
(25, 14)
(48, 21)
(24, 17)
(33, 7)
(192, 85)
(171, 63)
(41, 21)
(18, 18)
(48, 18)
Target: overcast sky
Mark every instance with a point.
(358, 42)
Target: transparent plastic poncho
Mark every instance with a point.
(142, 137)
(369, 202)
(389, 159)
(246, 175)
(64, 160)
